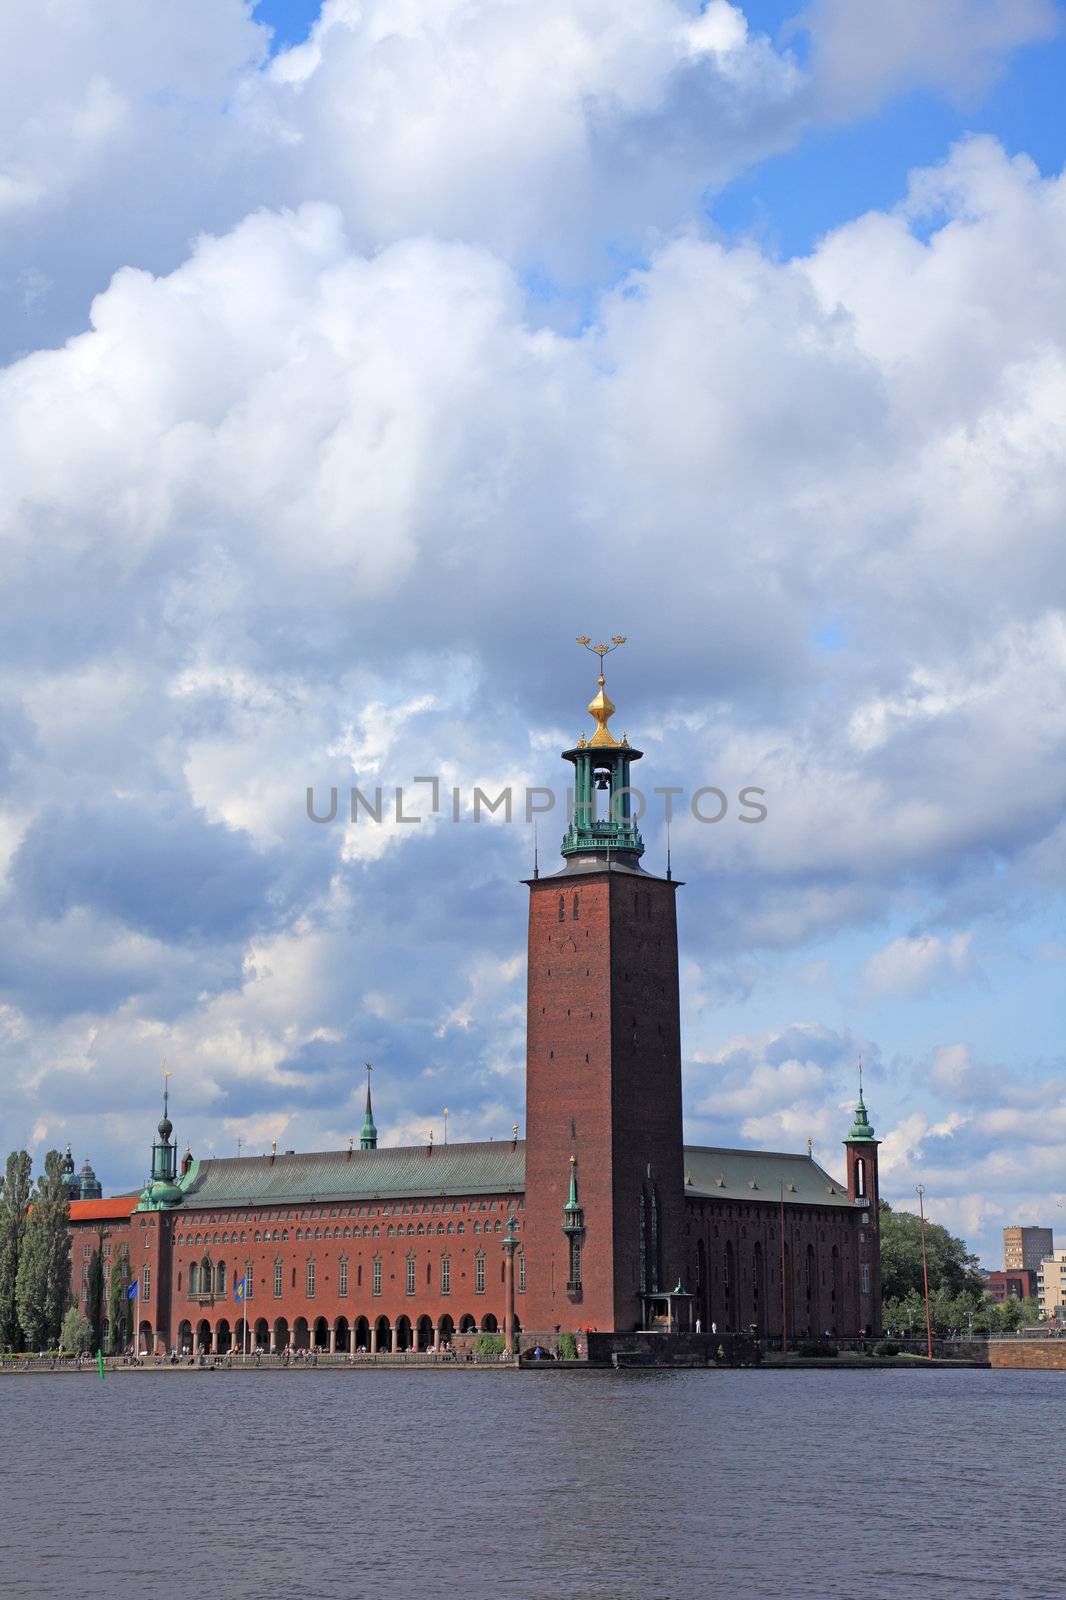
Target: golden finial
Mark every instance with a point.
(601, 707)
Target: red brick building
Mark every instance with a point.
(602, 1217)
(1017, 1285)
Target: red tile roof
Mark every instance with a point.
(122, 1205)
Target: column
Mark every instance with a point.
(332, 1340)
(436, 1337)
(508, 1300)
(373, 1338)
(351, 1339)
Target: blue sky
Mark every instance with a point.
(351, 369)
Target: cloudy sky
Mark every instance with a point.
(357, 360)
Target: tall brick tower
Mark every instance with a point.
(604, 1162)
(861, 1147)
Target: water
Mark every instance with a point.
(542, 1486)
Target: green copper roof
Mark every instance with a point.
(492, 1167)
(861, 1130)
(368, 1134)
(760, 1175)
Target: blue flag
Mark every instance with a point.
(238, 1289)
(131, 1292)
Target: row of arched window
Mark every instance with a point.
(399, 1230)
(206, 1278)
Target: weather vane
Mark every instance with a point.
(601, 650)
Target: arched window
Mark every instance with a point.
(220, 1278)
(577, 908)
(562, 908)
(194, 1279)
(206, 1279)
(860, 1177)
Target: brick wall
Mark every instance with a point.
(1042, 1354)
(603, 1084)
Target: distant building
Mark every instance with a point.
(1003, 1286)
(1025, 1248)
(1051, 1285)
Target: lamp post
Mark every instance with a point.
(925, 1273)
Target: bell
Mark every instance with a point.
(603, 780)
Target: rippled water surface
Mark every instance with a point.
(544, 1486)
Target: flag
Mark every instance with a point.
(166, 1070)
(131, 1292)
(238, 1289)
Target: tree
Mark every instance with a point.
(76, 1334)
(952, 1269)
(42, 1283)
(14, 1205)
(118, 1306)
(94, 1299)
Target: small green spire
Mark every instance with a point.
(368, 1134)
(861, 1129)
(573, 1215)
(571, 1204)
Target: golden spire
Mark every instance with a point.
(601, 706)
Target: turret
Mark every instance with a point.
(603, 828)
(70, 1177)
(861, 1147)
(89, 1186)
(162, 1189)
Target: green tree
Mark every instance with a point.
(118, 1307)
(14, 1208)
(94, 1298)
(76, 1334)
(952, 1269)
(42, 1283)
